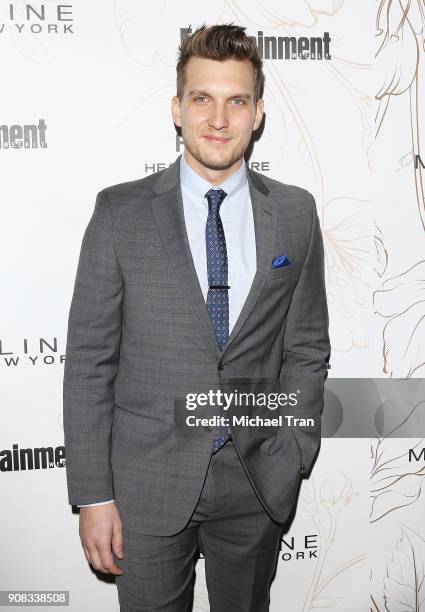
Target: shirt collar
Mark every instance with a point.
(198, 186)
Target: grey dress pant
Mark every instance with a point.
(238, 539)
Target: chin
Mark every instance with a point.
(217, 165)
(217, 162)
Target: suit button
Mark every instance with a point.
(221, 365)
(302, 468)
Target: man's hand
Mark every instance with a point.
(101, 534)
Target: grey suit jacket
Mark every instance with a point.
(140, 338)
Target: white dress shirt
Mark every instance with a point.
(238, 225)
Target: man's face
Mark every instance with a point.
(217, 113)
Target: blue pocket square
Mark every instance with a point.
(281, 262)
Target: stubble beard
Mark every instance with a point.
(212, 163)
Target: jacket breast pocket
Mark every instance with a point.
(282, 275)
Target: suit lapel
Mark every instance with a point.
(265, 222)
(167, 209)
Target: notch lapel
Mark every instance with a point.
(167, 209)
(265, 222)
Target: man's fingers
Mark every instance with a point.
(117, 540)
(96, 561)
(101, 559)
(108, 562)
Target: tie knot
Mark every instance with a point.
(215, 197)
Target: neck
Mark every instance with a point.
(214, 177)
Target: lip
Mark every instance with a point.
(217, 139)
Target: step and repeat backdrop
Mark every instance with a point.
(85, 101)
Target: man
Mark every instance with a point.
(202, 276)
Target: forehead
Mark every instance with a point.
(213, 75)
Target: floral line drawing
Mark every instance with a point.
(404, 580)
(381, 253)
(336, 492)
(394, 482)
(400, 30)
(402, 301)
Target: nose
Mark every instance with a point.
(218, 118)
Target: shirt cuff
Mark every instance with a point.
(110, 501)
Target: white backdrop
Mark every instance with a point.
(102, 84)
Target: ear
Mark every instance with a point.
(176, 111)
(259, 112)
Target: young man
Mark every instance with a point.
(190, 279)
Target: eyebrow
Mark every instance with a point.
(198, 92)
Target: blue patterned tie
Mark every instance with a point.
(218, 292)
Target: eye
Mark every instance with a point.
(239, 101)
(201, 99)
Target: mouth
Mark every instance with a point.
(217, 139)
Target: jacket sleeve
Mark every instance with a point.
(306, 344)
(91, 364)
